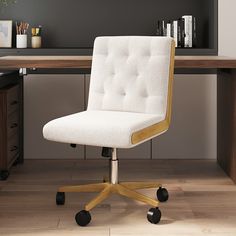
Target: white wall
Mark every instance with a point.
(227, 30)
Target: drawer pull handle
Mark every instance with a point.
(14, 103)
(14, 148)
(14, 125)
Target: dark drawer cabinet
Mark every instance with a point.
(12, 99)
(10, 123)
(12, 149)
(13, 124)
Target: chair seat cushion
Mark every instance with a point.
(99, 128)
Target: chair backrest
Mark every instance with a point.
(132, 74)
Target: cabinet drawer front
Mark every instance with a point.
(13, 124)
(12, 148)
(13, 99)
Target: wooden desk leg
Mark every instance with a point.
(226, 121)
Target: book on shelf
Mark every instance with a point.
(168, 29)
(190, 31)
(182, 30)
(194, 32)
(161, 28)
(175, 31)
(188, 40)
(181, 33)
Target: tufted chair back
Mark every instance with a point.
(131, 74)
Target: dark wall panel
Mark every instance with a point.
(75, 23)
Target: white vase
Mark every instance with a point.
(21, 40)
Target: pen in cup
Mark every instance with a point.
(21, 28)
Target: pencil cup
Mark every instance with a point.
(21, 40)
(36, 42)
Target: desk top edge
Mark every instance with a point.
(83, 57)
(10, 62)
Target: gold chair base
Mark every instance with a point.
(126, 189)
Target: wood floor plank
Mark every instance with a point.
(202, 199)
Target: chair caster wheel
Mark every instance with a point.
(162, 194)
(60, 198)
(154, 215)
(83, 218)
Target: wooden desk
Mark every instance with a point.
(84, 62)
(226, 92)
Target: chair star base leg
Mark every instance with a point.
(113, 186)
(126, 189)
(87, 188)
(141, 185)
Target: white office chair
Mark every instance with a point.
(130, 101)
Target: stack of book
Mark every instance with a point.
(182, 30)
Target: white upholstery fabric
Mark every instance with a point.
(130, 74)
(128, 92)
(98, 128)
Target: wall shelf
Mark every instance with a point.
(72, 32)
(88, 51)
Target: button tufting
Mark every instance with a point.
(123, 93)
(130, 70)
(144, 94)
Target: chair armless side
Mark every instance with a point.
(161, 127)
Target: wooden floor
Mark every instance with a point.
(202, 200)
